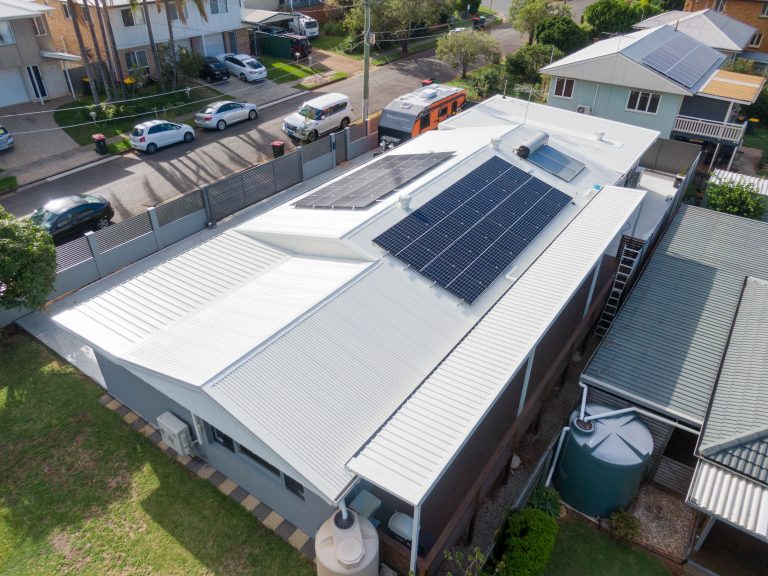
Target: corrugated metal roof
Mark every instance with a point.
(19, 9)
(708, 26)
(619, 148)
(759, 184)
(736, 431)
(410, 453)
(664, 348)
(323, 388)
(730, 497)
(744, 88)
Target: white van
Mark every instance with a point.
(318, 116)
(304, 25)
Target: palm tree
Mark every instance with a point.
(153, 47)
(83, 51)
(99, 62)
(109, 51)
(179, 5)
(113, 46)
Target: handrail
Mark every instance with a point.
(700, 127)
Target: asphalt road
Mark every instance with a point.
(134, 182)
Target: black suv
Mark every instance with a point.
(213, 70)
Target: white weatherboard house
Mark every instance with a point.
(355, 340)
(659, 78)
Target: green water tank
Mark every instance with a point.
(601, 466)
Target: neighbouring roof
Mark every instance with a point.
(664, 349)
(731, 498)
(307, 335)
(263, 16)
(740, 88)
(708, 26)
(735, 435)
(759, 184)
(660, 59)
(20, 9)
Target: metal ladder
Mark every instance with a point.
(627, 265)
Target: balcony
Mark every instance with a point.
(717, 131)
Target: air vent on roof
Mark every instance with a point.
(428, 93)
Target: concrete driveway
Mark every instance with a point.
(34, 147)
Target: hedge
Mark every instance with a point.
(531, 536)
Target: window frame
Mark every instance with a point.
(219, 4)
(175, 13)
(759, 37)
(135, 65)
(719, 6)
(293, 486)
(258, 460)
(38, 22)
(638, 100)
(136, 16)
(764, 11)
(67, 13)
(218, 436)
(11, 37)
(564, 88)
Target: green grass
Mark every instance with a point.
(81, 493)
(332, 43)
(582, 550)
(77, 123)
(393, 54)
(335, 77)
(119, 146)
(758, 139)
(7, 183)
(280, 71)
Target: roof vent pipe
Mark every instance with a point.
(405, 201)
(599, 135)
(495, 143)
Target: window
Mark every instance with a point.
(293, 486)
(454, 106)
(218, 6)
(6, 34)
(643, 101)
(764, 10)
(442, 113)
(564, 87)
(259, 460)
(719, 6)
(137, 61)
(175, 11)
(67, 13)
(424, 124)
(39, 26)
(219, 436)
(132, 17)
(756, 40)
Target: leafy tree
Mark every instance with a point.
(562, 32)
(486, 80)
(460, 6)
(27, 263)
(525, 15)
(736, 198)
(465, 48)
(618, 16)
(525, 63)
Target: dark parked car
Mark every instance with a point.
(213, 70)
(66, 217)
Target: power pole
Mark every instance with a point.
(366, 59)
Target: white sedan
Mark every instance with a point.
(245, 67)
(154, 134)
(219, 115)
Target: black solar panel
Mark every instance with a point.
(557, 163)
(471, 232)
(364, 187)
(682, 59)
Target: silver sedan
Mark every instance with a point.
(219, 115)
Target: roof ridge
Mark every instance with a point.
(734, 440)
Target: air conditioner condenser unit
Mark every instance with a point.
(584, 110)
(175, 433)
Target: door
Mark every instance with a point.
(55, 80)
(213, 44)
(13, 90)
(237, 112)
(174, 133)
(36, 79)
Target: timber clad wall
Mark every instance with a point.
(747, 11)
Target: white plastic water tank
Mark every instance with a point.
(348, 548)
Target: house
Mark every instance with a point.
(660, 79)
(222, 30)
(31, 68)
(690, 349)
(749, 12)
(393, 332)
(709, 27)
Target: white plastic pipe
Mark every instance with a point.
(583, 408)
(563, 433)
(415, 537)
(343, 508)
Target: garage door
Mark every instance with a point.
(214, 44)
(13, 89)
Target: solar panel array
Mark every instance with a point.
(364, 187)
(556, 163)
(471, 232)
(682, 59)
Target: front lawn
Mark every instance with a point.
(334, 44)
(582, 550)
(121, 117)
(280, 71)
(758, 138)
(81, 493)
(7, 183)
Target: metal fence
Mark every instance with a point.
(100, 253)
(670, 156)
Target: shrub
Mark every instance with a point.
(531, 536)
(485, 81)
(546, 499)
(736, 198)
(526, 62)
(625, 526)
(333, 29)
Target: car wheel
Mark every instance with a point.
(188, 137)
(344, 124)
(151, 148)
(243, 78)
(252, 115)
(221, 124)
(209, 79)
(312, 136)
(102, 222)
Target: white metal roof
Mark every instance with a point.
(20, 9)
(730, 497)
(759, 184)
(411, 452)
(708, 26)
(619, 148)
